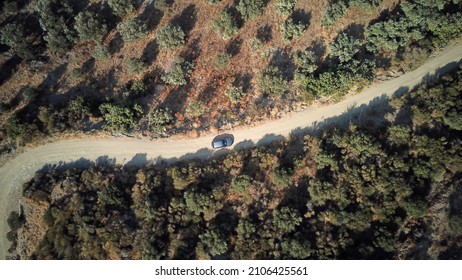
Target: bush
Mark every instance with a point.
(159, 118)
(333, 13)
(291, 30)
(77, 73)
(221, 60)
(135, 65)
(120, 118)
(101, 52)
(195, 109)
(170, 37)
(15, 128)
(344, 47)
(90, 26)
(132, 29)
(121, 7)
(180, 72)
(225, 26)
(272, 82)
(250, 8)
(234, 94)
(285, 7)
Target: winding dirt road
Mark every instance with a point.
(21, 169)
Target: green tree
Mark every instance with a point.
(225, 26)
(135, 65)
(285, 7)
(286, 219)
(214, 243)
(101, 52)
(14, 35)
(170, 37)
(250, 8)
(90, 26)
(179, 72)
(121, 7)
(120, 118)
(56, 19)
(291, 30)
(195, 109)
(272, 82)
(234, 94)
(344, 47)
(333, 13)
(159, 118)
(132, 29)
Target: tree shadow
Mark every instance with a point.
(234, 46)
(355, 30)
(150, 52)
(208, 93)
(116, 44)
(138, 160)
(187, 19)
(270, 138)
(244, 81)
(193, 50)
(301, 16)
(8, 68)
(283, 60)
(243, 145)
(265, 33)
(151, 16)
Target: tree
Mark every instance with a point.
(213, 242)
(250, 8)
(14, 35)
(90, 26)
(132, 29)
(121, 7)
(225, 26)
(135, 65)
(344, 47)
(195, 109)
(286, 219)
(390, 35)
(272, 82)
(101, 52)
(55, 18)
(120, 118)
(333, 13)
(240, 184)
(159, 118)
(221, 60)
(234, 94)
(285, 7)
(179, 72)
(291, 30)
(170, 37)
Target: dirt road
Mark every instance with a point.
(20, 169)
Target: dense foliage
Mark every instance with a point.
(362, 191)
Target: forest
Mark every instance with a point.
(387, 186)
(160, 68)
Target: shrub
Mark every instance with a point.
(180, 72)
(120, 118)
(272, 82)
(76, 110)
(90, 26)
(195, 109)
(291, 30)
(101, 52)
(135, 65)
(138, 88)
(225, 26)
(285, 7)
(221, 60)
(234, 94)
(132, 29)
(159, 118)
(170, 37)
(333, 13)
(250, 8)
(121, 7)
(344, 47)
(15, 128)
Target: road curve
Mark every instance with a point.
(21, 169)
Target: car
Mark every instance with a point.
(221, 143)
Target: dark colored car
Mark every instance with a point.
(225, 142)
